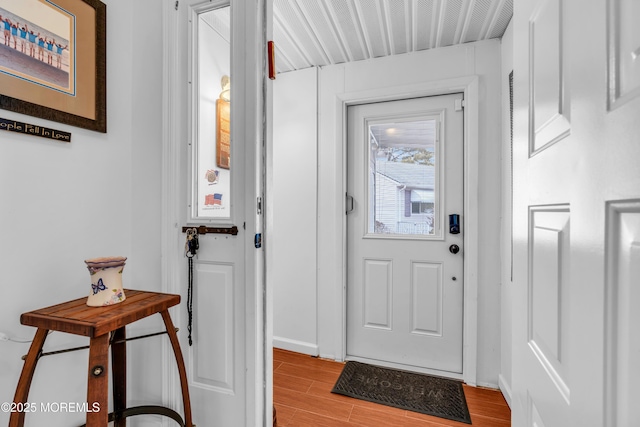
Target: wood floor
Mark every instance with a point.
(302, 397)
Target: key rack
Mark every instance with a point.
(203, 229)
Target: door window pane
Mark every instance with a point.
(403, 178)
(212, 143)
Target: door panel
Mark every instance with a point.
(576, 203)
(543, 269)
(426, 298)
(548, 311)
(549, 112)
(377, 289)
(215, 361)
(213, 196)
(404, 286)
(212, 357)
(623, 342)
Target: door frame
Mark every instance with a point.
(469, 87)
(251, 25)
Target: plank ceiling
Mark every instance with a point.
(310, 33)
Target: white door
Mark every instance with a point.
(217, 182)
(576, 213)
(404, 275)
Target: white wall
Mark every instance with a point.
(506, 302)
(292, 272)
(99, 195)
(399, 72)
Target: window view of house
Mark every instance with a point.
(402, 178)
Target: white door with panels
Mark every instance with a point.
(214, 361)
(576, 213)
(405, 233)
(213, 187)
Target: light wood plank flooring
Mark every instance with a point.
(302, 397)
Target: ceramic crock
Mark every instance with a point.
(106, 281)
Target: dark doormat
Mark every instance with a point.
(440, 397)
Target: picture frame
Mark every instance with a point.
(223, 134)
(55, 61)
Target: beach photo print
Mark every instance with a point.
(53, 60)
(37, 43)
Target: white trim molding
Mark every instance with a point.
(505, 389)
(295, 345)
(171, 394)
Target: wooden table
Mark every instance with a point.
(105, 326)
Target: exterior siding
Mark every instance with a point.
(388, 215)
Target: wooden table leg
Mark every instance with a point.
(24, 383)
(98, 382)
(186, 401)
(119, 376)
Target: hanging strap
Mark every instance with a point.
(190, 299)
(191, 249)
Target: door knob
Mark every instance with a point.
(454, 249)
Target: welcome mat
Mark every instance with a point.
(421, 393)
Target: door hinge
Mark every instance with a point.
(459, 104)
(259, 203)
(177, 4)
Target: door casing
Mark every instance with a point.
(469, 86)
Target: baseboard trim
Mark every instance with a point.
(505, 389)
(487, 385)
(295, 345)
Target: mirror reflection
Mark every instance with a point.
(212, 151)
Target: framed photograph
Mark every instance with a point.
(223, 134)
(53, 60)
